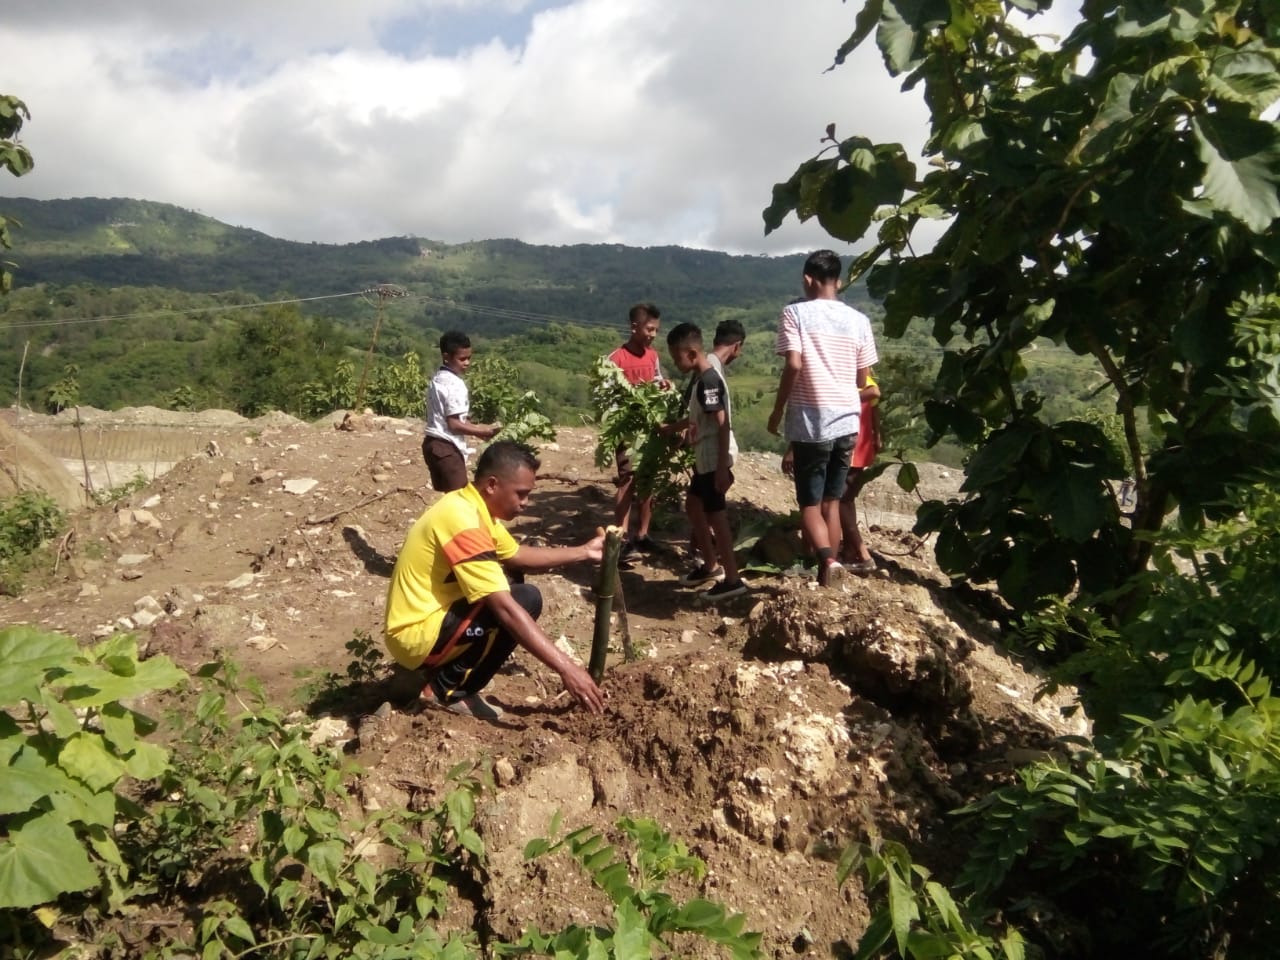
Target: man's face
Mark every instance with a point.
(733, 354)
(682, 358)
(507, 496)
(644, 332)
(459, 360)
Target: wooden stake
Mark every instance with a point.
(605, 589)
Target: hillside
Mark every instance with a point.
(766, 734)
(120, 242)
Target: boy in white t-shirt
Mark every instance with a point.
(448, 404)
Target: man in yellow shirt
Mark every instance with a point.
(450, 608)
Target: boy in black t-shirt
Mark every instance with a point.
(714, 449)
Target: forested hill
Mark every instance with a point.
(135, 243)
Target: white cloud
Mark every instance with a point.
(633, 121)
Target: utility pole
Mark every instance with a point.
(384, 292)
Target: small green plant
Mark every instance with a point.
(307, 884)
(645, 915)
(27, 520)
(367, 665)
(918, 917)
(630, 416)
(496, 397)
(70, 745)
(397, 389)
(115, 494)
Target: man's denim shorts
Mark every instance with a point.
(821, 469)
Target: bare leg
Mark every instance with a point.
(814, 527)
(831, 517)
(853, 549)
(699, 531)
(719, 524)
(646, 515)
(622, 504)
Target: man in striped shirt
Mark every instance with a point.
(827, 348)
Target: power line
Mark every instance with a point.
(160, 314)
(493, 312)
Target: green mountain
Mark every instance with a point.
(128, 302)
(121, 302)
(114, 243)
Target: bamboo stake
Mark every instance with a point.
(605, 590)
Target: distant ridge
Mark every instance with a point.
(125, 242)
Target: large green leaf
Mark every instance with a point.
(30, 779)
(1242, 167)
(92, 686)
(902, 26)
(25, 655)
(86, 757)
(631, 937)
(41, 860)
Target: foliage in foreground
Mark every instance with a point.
(255, 836)
(916, 912)
(630, 416)
(1156, 838)
(1116, 193)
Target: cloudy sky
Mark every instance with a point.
(641, 122)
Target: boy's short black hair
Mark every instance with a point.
(503, 458)
(730, 331)
(823, 266)
(452, 341)
(683, 334)
(641, 310)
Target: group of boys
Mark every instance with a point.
(457, 605)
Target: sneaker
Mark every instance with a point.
(832, 573)
(863, 568)
(644, 544)
(629, 551)
(472, 705)
(702, 574)
(723, 591)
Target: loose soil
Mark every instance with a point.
(766, 733)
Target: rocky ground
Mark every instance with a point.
(766, 733)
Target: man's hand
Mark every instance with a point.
(492, 431)
(724, 479)
(775, 419)
(579, 683)
(595, 548)
(789, 462)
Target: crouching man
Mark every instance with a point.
(451, 611)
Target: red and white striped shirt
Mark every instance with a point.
(834, 342)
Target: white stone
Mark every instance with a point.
(145, 618)
(260, 641)
(151, 502)
(148, 603)
(329, 730)
(88, 590)
(132, 559)
(300, 486)
(146, 518)
(244, 580)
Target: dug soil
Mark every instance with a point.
(766, 733)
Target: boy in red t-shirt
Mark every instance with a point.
(639, 364)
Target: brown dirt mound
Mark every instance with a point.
(766, 734)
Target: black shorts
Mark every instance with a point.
(703, 486)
